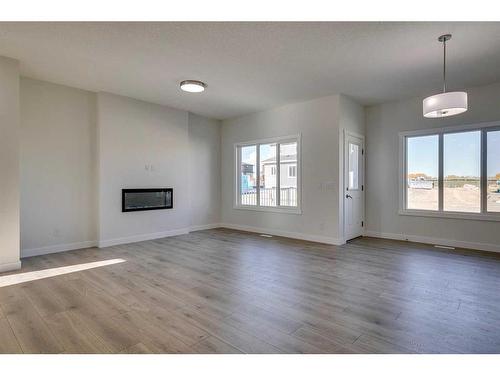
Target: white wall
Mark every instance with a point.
(58, 168)
(135, 135)
(9, 164)
(383, 122)
(352, 115)
(317, 121)
(204, 171)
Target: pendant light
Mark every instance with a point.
(447, 103)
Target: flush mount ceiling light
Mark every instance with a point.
(447, 103)
(193, 86)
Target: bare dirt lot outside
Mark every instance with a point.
(459, 199)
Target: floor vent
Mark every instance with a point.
(266, 235)
(444, 247)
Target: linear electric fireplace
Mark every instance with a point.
(147, 199)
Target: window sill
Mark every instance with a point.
(494, 216)
(279, 210)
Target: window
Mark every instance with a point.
(462, 169)
(248, 175)
(422, 172)
(268, 175)
(288, 182)
(353, 183)
(267, 181)
(451, 172)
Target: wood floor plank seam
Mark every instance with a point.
(13, 333)
(211, 336)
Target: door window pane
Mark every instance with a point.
(288, 181)
(493, 171)
(422, 172)
(248, 175)
(462, 170)
(268, 183)
(353, 166)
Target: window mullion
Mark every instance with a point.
(257, 191)
(238, 174)
(405, 173)
(278, 175)
(441, 173)
(484, 173)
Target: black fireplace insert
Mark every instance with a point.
(147, 199)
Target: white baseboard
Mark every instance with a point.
(25, 253)
(436, 241)
(141, 237)
(282, 233)
(196, 228)
(10, 266)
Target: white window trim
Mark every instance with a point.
(483, 215)
(237, 181)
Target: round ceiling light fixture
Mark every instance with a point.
(447, 103)
(191, 85)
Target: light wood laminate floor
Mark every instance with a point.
(226, 291)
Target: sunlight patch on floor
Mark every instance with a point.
(51, 272)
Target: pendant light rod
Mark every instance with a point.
(443, 39)
(444, 66)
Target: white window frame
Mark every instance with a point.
(237, 180)
(440, 132)
(289, 169)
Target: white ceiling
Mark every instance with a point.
(253, 66)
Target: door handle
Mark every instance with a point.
(348, 196)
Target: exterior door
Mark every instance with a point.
(354, 202)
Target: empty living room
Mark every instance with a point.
(212, 188)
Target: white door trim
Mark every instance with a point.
(345, 135)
